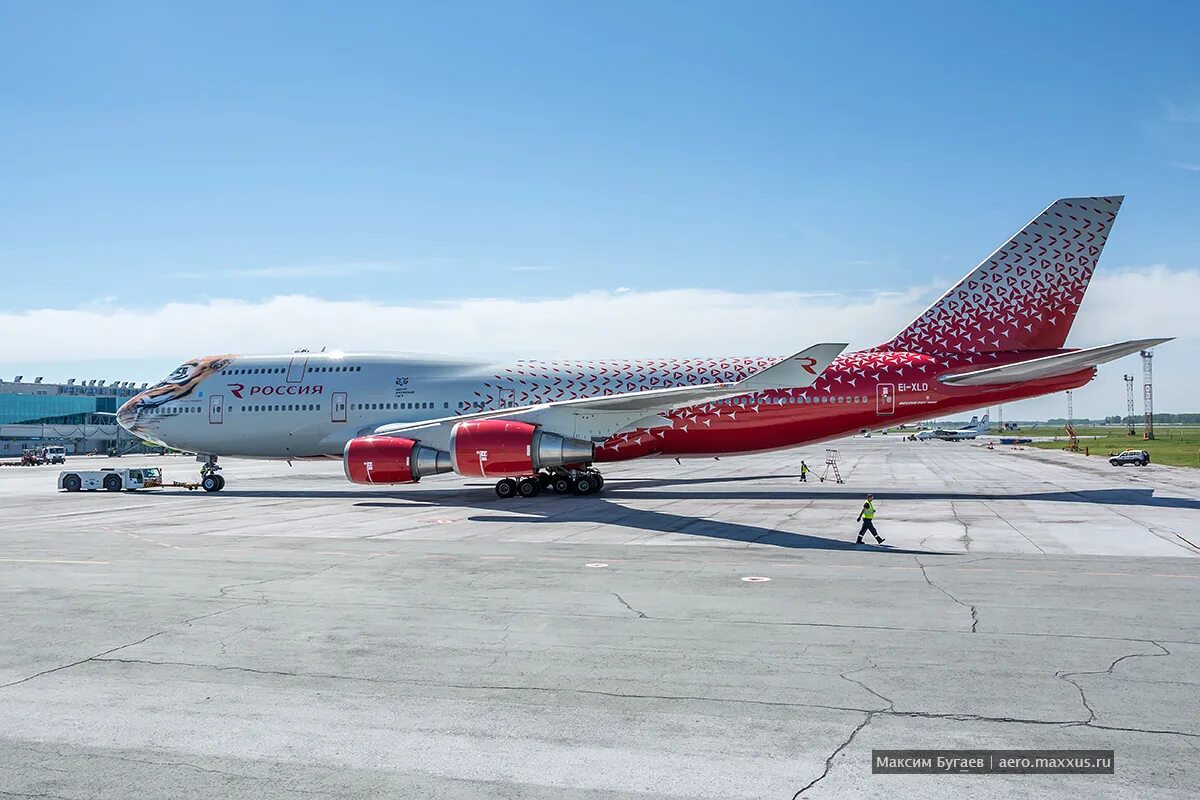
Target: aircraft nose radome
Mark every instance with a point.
(128, 413)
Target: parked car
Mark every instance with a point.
(1139, 457)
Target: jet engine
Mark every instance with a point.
(387, 459)
(497, 448)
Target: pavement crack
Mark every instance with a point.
(96, 657)
(99, 656)
(1070, 677)
(891, 705)
(966, 537)
(969, 606)
(221, 592)
(829, 761)
(621, 600)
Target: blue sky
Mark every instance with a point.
(153, 153)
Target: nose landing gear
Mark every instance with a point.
(211, 479)
(559, 480)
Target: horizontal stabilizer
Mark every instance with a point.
(1050, 366)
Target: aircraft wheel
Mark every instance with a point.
(506, 488)
(211, 483)
(584, 484)
(220, 482)
(599, 481)
(72, 483)
(112, 483)
(528, 487)
(562, 484)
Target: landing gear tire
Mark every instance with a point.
(599, 481)
(506, 488)
(585, 484)
(220, 482)
(212, 483)
(112, 483)
(528, 487)
(72, 483)
(562, 484)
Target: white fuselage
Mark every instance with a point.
(309, 405)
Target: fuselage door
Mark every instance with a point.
(296, 367)
(216, 409)
(885, 398)
(337, 407)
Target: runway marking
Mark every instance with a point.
(47, 561)
(1121, 574)
(1160, 575)
(596, 565)
(755, 579)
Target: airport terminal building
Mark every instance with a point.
(72, 414)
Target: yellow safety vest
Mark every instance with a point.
(868, 511)
(803, 468)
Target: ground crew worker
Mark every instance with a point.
(803, 472)
(866, 516)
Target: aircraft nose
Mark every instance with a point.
(127, 415)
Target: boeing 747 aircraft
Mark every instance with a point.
(997, 336)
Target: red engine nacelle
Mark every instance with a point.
(497, 448)
(387, 459)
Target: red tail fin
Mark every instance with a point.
(1025, 295)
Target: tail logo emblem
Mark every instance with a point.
(808, 362)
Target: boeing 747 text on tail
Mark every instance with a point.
(997, 336)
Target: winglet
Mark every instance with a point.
(796, 371)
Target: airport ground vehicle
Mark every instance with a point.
(1139, 457)
(56, 454)
(110, 480)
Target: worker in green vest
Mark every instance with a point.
(803, 472)
(866, 517)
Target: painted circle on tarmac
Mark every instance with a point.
(596, 565)
(755, 579)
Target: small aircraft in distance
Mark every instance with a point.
(970, 431)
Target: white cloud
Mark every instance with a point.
(1125, 304)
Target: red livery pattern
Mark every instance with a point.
(1025, 295)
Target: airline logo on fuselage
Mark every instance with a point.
(238, 390)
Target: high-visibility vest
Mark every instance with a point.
(803, 468)
(868, 511)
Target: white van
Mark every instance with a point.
(56, 454)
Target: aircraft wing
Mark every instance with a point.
(797, 371)
(612, 412)
(1049, 366)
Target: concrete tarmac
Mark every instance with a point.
(706, 630)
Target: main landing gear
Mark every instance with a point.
(562, 481)
(211, 479)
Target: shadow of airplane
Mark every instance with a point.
(605, 508)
